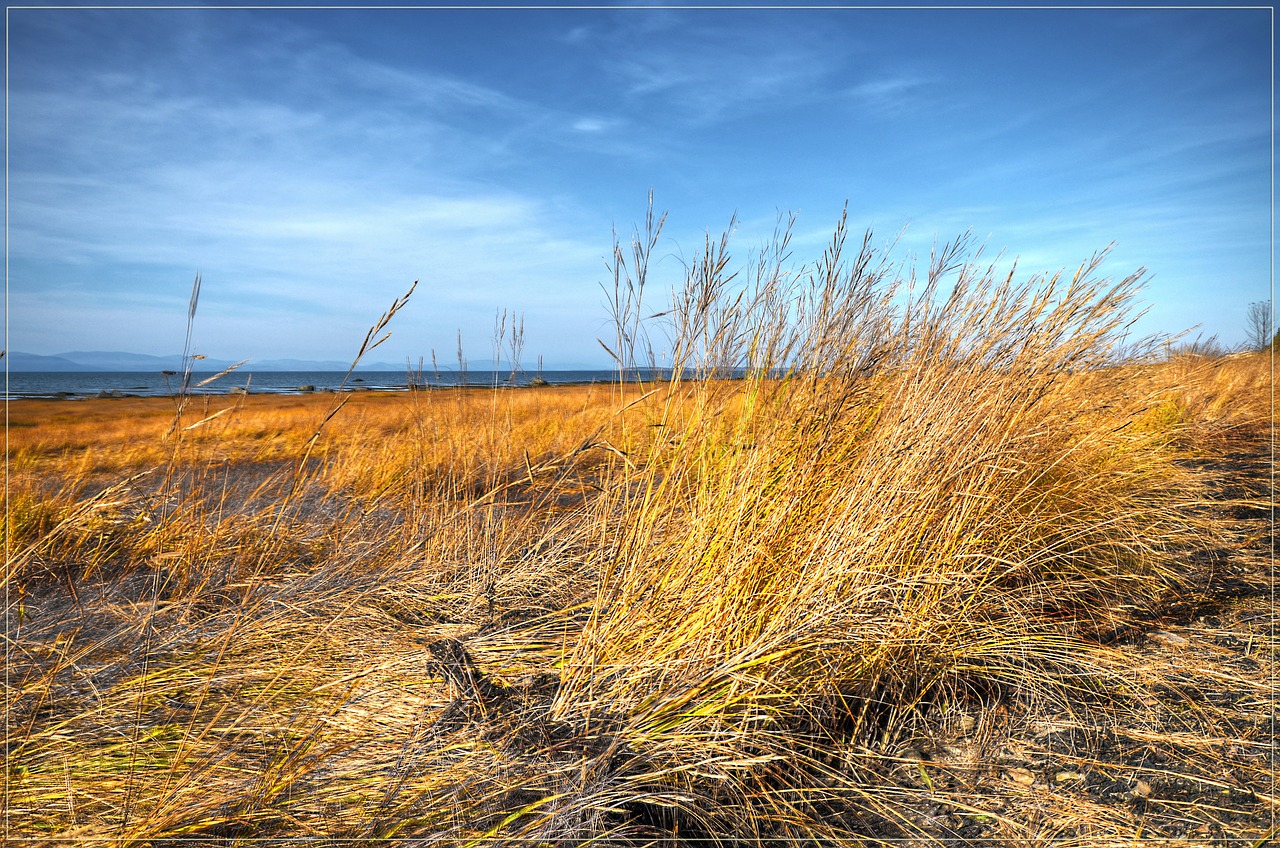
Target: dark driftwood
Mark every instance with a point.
(458, 667)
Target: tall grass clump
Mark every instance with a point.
(723, 607)
(922, 489)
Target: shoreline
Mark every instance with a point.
(306, 390)
(31, 385)
(24, 409)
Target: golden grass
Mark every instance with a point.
(731, 610)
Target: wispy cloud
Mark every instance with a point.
(311, 162)
(360, 183)
(700, 70)
(595, 125)
(892, 95)
(700, 90)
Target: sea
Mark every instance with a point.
(72, 385)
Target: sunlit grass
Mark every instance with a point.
(705, 608)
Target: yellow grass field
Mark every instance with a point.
(944, 568)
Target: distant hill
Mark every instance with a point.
(19, 361)
(115, 360)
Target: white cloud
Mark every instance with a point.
(321, 206)
(579, 35)
(594, 125)
(889, 94)
(312, 172)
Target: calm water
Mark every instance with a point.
(82, 384)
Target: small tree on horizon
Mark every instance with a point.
(1259, 333)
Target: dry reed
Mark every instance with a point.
(735, 606)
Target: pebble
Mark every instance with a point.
(1164, 637)
(1067, 776)
(1021, 775)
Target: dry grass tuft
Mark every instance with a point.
(896, 553)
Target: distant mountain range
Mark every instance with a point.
(114, 360)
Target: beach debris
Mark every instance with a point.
(1169, 640)
(1020, 775)
(469, 683)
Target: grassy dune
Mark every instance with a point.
(864, 593)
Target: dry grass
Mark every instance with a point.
(888, 585)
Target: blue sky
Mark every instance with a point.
(311, 164)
